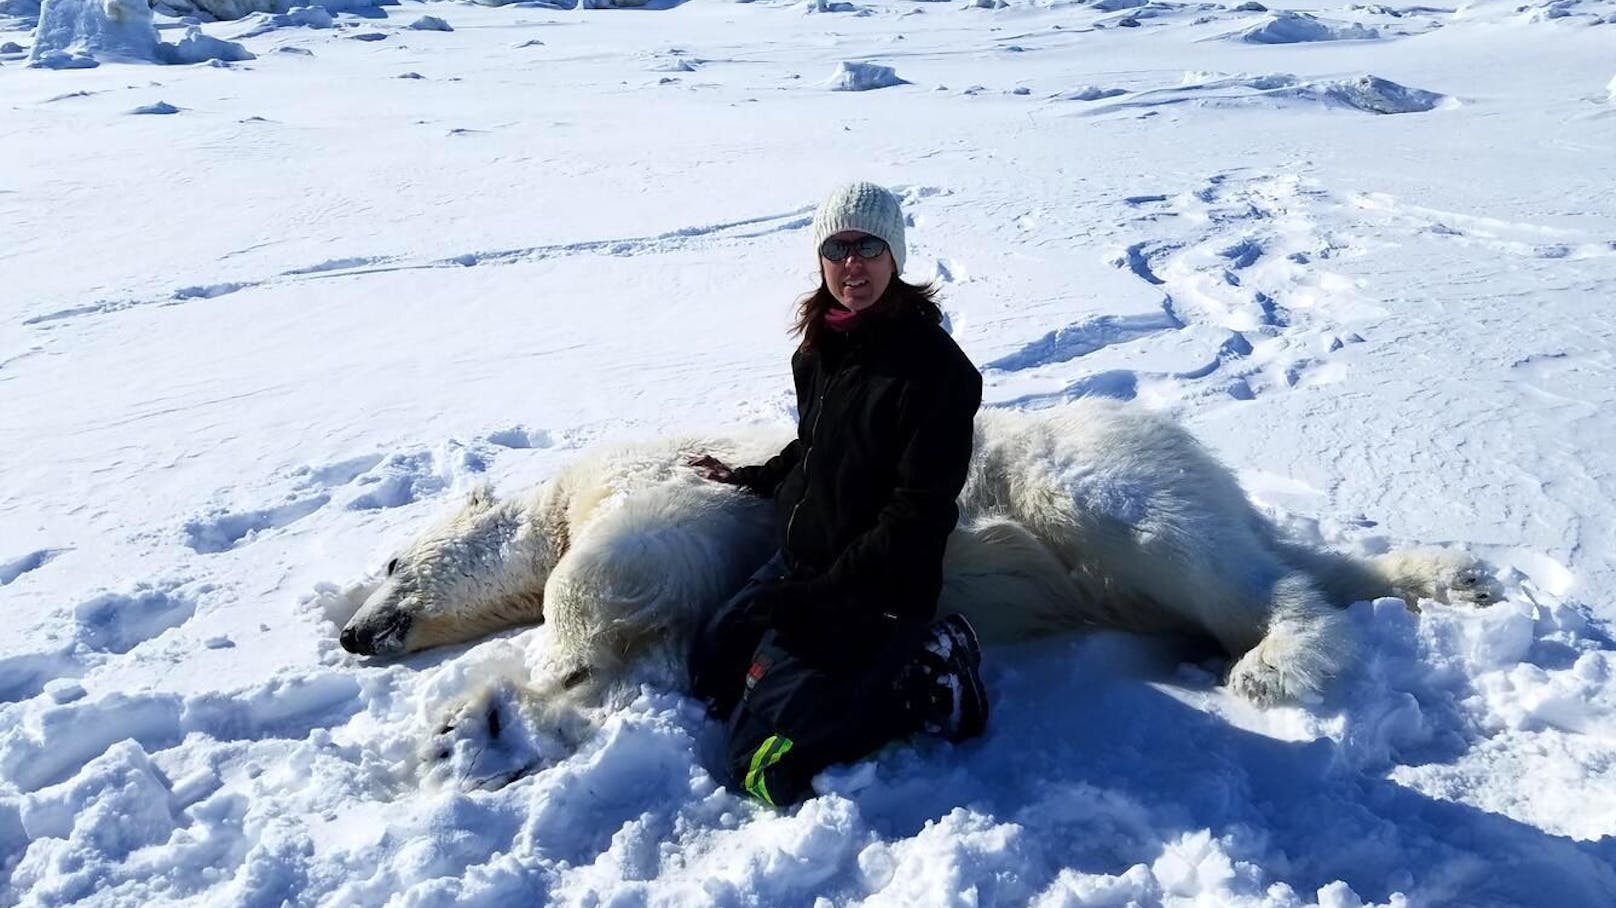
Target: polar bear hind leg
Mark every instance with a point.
(1444, 575)
(1009, 584)
(1308, 643)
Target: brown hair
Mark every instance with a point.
(901, 299)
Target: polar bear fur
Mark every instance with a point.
(1099, 514)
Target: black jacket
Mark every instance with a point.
(867, 491)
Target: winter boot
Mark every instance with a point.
(942, 686)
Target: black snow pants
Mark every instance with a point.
(795, 704)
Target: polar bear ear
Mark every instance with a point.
(481, 497)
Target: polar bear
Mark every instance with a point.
(1098, 514)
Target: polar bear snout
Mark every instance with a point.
(376, 632)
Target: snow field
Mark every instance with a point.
(251, 345)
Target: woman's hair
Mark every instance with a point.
(900, 299)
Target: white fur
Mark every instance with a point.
(1100, 514)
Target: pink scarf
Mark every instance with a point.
(842, 320)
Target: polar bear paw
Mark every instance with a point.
(1253, 679)
(494, 737)
(1473, 584)
(1445, 575)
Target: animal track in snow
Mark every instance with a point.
(1084, 338)
(696, 236)
(521, 437)
(119, 622)
(59, 741)
(33, 561)
(1244, 259)
(366, 482)
(339, 473)
(1517, 238)
(222, 532)
(398, 480)
(24, 676)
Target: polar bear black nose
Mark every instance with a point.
(351, 643)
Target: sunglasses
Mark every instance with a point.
(869, 247)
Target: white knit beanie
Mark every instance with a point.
(864, 207)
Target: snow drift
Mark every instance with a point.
(1286, 27)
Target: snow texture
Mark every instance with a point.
(249, 349)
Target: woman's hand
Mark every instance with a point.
(710, 467)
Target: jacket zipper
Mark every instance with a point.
(813, 436)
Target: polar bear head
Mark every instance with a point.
(481, 570)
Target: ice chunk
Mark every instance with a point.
(197, 47)
(863, 77)
(75, 34)
(431, 24)
(1377, 95)
(22, 9)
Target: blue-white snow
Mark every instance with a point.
(1366, 252)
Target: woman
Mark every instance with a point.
(830, 651)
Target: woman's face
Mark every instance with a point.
(857, 282)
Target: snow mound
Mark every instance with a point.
(304, 16)
(863, 77)
(197, 47)
(231, 10)
(1365, 93)
(1375, 95)
(1285, 27)
(1090, 93)
(833, 6)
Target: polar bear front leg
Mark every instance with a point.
(503, 731)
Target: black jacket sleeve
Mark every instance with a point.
(903, 551)
(763, 478)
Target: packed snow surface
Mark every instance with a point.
(249, 349)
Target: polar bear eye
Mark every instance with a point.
(392, 566)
